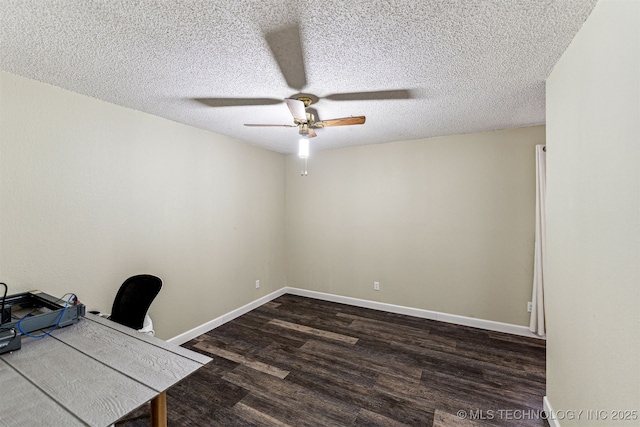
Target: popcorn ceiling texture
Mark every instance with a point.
(469, 65)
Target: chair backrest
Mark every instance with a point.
(134, 299)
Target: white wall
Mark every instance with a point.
(593, 251)
(91, 193)
(444, 224)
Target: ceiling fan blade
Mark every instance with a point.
(286, 47)
(237, 102)
(297, 109)
(312, 133)
(346, 121)
(365, 96)
(271, 126)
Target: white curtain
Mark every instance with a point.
(537, 321)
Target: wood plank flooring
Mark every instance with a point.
(303, 362)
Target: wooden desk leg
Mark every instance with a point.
(159, 410)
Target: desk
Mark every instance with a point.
(91, 373)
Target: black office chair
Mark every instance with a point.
(134, 299)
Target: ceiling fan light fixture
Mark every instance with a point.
(303, 148)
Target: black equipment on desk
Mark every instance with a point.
(33, 311)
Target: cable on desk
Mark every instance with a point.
(4, 297)
(44, 334)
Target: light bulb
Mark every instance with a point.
(303, 148)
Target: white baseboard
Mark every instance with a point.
(212, 324)
(546, 407)
(417, 312)
(391, 308)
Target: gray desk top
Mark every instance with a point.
(90, 373)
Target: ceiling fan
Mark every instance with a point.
(305, 122)
(286, 47)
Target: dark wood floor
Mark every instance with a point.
(303, 362)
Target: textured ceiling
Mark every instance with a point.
(442, 67)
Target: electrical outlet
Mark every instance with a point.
(257, 284)
(376, 286)
(529, 306)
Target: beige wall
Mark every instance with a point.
(593, 252)
(444, 224)
(91, 193)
